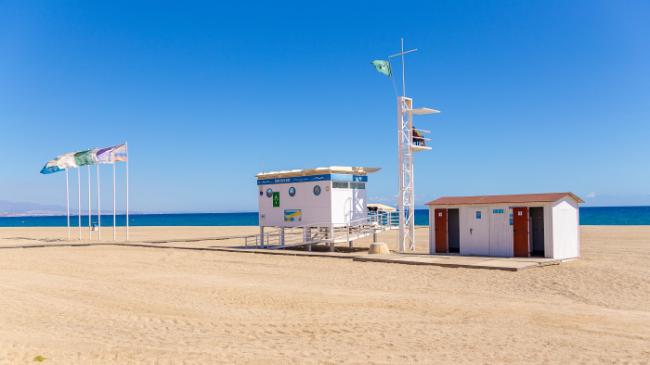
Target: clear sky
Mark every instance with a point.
(535, 96)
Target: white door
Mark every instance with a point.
(500, 232)
(477, 236)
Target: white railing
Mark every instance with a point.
(326, 232)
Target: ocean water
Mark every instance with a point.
(588, 216)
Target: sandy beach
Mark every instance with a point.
(127, 305)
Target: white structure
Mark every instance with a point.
(409, 141)
(543, 225)
(331, 196)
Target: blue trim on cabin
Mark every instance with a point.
(324, 177)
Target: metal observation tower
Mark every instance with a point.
(409, 141)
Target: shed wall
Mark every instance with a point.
(565, 231)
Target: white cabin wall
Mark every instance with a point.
(360, 204)
(348, 205)
(566, 229)
(315, 209)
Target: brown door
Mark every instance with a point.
(520, 225)
(441, 230)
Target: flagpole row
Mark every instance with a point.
(95, 156)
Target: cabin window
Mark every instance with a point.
(317, 190)
(497, 211)
(478, 214)
(357, 185)
(292, 191)
(340, 185)
(269, 192)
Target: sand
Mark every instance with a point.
(123, 305)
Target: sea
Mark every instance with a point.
(627, 216)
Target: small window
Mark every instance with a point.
(261, 193)
(317, 190)
(357, 185)
(497, 211)
(269, 192)
(478, 214)
(292, 191)
(340, 184)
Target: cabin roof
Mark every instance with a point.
(504, 199)
(353, 170)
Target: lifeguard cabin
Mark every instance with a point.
(333, 196)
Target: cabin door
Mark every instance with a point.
(520, 225)
(441, 230)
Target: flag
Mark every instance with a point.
(60, 163)
(103, 155)
(50, 167)
(84, 158)
(67, 161)
(111, 154)
(120, 153)
(382, 67)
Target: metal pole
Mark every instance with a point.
(126, 146)
(99, 208)
(67, 200)
(90, 228)
(79, 199)
(403, 71)
(400, 195)
(114, 227)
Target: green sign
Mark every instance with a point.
(276, 199)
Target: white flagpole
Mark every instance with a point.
(99, 208)
(79, 199)
(126, 146)
(67, 200)
(114, 201)
(90, 209)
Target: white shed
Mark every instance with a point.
(523, 225)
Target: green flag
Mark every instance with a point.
(84, 158)
(382, 67)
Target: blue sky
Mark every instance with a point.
(535, 96)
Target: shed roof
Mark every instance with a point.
(356, 170)
(504, 199)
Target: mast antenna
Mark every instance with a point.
(409, 141)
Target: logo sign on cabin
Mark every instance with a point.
(276, 199)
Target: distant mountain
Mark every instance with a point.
(12, 209)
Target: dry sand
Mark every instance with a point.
(125, 305)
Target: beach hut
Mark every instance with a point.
(523, 225)
(333, 196)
